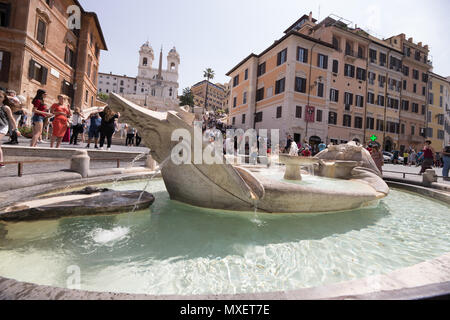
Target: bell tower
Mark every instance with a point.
(173, 60)
(146, 57)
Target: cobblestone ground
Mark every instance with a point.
(11, 170)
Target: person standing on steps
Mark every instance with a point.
(94, 129)
(61, 121)
(6, 119)
(40, 111)
(77, 126)
(107, 126)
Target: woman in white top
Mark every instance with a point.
(77, 126)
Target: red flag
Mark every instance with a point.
(310, 114)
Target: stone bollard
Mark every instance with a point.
(198, 112)
(429, 177)
(150, 163)
(80, 163)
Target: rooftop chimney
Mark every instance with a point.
(419, 44)
(310, 16)
(410, 40)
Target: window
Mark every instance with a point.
(282, 57)
(382, 59)
(298, 112)
(280, 86)
(234, 102)
(373, 55)
(300, 84)
(69, 57)
(361, 52)
(302, 55)
(320, 90)
(37, 72)
(348, 98)
(360, 101)
(371, 77)
(416, 74)
(407, 51)
(86, 99)
(361, 74)
(236, 81)
(347, 120)
(405, 105)
(279, 112)
(370, 98)
(246, 74)
(5, 60)
(145, 62)
(88, 71)
(429, 116)
(332, 118)
(370, 123)
(243, 118)
(402, 128)
(319, 115)
(334, 95)
(415, 88)
(349, 71)
(336, 43)
(358, 122)
(395, 64)
(381, 81)
(413, 130)
(415, 108)
(259, 94)
(335, 66)
(441, 134)
(380, 125)
(406, 71)
(234, 121)
(380, 100)
(5, 12)
(424, 91)
(431, 98)
(322, 61)
(41, 31)
(405, 83)
(244, 99)
(259, 117)
(417, 55)
(261, 69)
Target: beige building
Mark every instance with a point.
(38, 50)
(217, 94)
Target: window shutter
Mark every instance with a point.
(4, 73)
(31, 69)
(44, 75)
(325, 62)
(306, 56)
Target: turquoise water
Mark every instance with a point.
(178, 249)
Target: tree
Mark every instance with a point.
(209, 75)
(187, 99)
(103, 96)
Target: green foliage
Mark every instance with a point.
(187, 99)
(26, 132)
(103, 96)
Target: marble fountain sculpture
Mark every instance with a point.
(235, 188)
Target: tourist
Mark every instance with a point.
(427, 156)
(131, 134)
(412, 158)
(288, 144)
(446, 160)
(306, 152)
(94, 129)
(77, 126)
(377, 157)
(107, 126)
(60, 123)
(437, 162)
(138, 139)
(395, 157)
(254, 154)
(41, 113)
(405, 158)
(17, 103)
(322, 146)
(84, 129)
(6, 119)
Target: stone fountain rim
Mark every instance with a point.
(11, 289)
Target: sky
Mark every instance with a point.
(219, 34)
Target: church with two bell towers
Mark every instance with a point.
(157, 82)
(155, 88)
